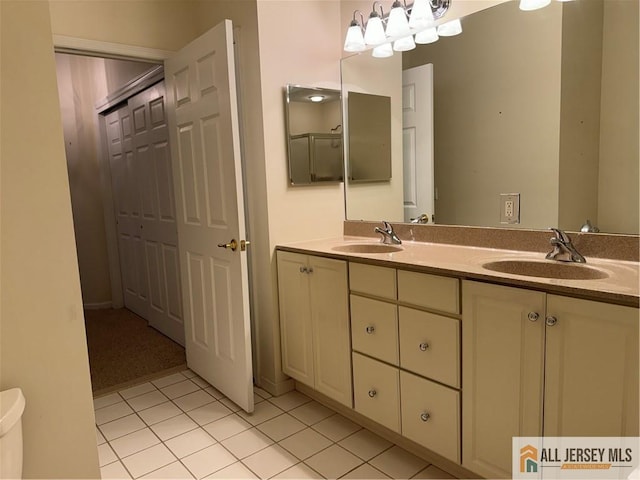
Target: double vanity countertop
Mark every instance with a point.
(620, 283)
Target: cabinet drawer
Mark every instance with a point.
(373, 280)
(376, 391)
(429, 291)
(431, 415)
(374, 328)
(430, 345)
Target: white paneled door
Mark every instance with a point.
(205, 152)
(417, 141)
(139, 157)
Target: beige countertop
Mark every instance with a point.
(622, 285)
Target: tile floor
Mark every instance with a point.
(179, 427)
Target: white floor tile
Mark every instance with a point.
(173, 427)
(263, 393)
(305, 443)
(235, 470)
(146, 400)
(281, 427)
(226, 427)
(190, 442)
(290, 400)
(159, 413)
(209, 413)
(433, 472)
(208, 461)
(214, 392)
(194, 400)
(188, 373)
(333, 462)
(311, 412)
(262, 412)
(112, 412)
(137, 390)
(106, 455)
(336, 427)
(270, 461)
(122, 426)
(257, 399)
(365, 444)
(301, 471)
(200, 382)
(247, 443)
(168, 380)
(364, 472)
(180, 389)
(99, 437)
(106, 400)
(114, 471)
(173, 471)
(134, 442)
(148, 460)
(398, 463)
(229, 404)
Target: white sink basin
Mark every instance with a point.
(368, 248)
(532, 268)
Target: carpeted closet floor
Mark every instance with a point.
(124, 350)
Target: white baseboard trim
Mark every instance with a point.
(98, 305)
(276, 388)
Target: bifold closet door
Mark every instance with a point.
(142, 183)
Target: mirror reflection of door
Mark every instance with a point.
(314, 135)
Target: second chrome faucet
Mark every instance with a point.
(389, 237)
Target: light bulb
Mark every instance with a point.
(374, 33)
(449, 29)
(397, 24)
(382, 51)
(528, 5)
(421, 14)
(429, 35)
(354, 42)
(316, 98)
(403, 44)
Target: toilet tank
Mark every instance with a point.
(11, 407)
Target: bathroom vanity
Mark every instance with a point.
(454, 359)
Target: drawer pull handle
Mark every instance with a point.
(372, 393)
(533, 316)
(370, 329)
(424, 346)
(424, 416)
(551, 321)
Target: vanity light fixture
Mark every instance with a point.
(528, 5)
(400, 29)
(316, 98)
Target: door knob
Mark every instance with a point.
(232, 245)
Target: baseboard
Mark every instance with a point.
(276, 388)
(98, 305)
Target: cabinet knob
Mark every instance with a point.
(303, 269)
(423, 346)
(424, 416)
(533, 316)
(310, 270)
(551, 321)
(370, 329)
(372, 393)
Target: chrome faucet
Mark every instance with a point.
(563, 249)
(388, 235)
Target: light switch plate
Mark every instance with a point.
(509, 208)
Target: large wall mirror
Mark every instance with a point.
(314, 135)
(542, 103)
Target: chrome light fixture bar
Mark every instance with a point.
(401, 28)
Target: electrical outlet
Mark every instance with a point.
(509, 208)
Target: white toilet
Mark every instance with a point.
(11, 408)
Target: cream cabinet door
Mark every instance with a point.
(591, 371)
(502, 373)
(295, 317)
(329, 307)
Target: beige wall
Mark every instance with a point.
(43, 346)
(618, 208)
(488, 142)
